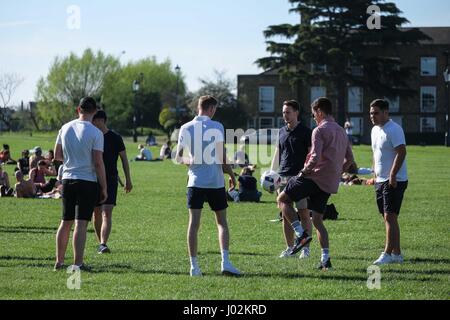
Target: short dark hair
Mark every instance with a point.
(324, 104)
(293, 104)
(88, 104)
(380, 103)
(100, 114)
(42, 163)
(206, 102)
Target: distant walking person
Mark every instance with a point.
(319, 178)
(201, 147)
(348, 126)
(113, 148)
(391, 179)
(80, 146)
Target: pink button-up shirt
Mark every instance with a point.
(330, 149)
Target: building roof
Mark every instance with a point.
(440, 35)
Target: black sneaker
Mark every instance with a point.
(300, 242)
(58, 266)
(324, 266)
(103, 248)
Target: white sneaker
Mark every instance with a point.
(286, 253)
(229, 270)
(304, 255)
(397, 258)
(196, 272)
(383, 259)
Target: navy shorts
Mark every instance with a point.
(389, 200)
(217, 198)
(78, 199)
(299, 188)
(112, 183)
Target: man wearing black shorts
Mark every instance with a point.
(391, 179)
(80, 147)
(201, 147)
(319, 178)
(113, 148)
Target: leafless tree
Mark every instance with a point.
(9, 82)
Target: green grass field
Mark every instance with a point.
(149, 259)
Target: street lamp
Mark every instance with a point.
(177, 70)
(447, 98)
(136, 86)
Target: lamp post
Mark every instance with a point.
(177, 70)
(136, 86)
(447, 98)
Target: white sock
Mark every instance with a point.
(297, 228)
(325, 255)
(194, 263)
(306, 249)
(225, 256)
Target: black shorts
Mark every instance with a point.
(79, 198)
(299, 188)
(389, 200)
(112, 183)
(217, 198)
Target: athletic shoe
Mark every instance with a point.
(229, 270)
(324, 266)
(300, 242)
(58, 266)
(103, 248)
(196, 272)
(383, 259)
(286, 253)
(305, 254)
(397, 258)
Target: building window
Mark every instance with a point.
(428, 99)
(357, 70)
(355, 99)
(357, 123)
(266, 123)
(251, 123)
(317, 92)
(428, 124)
(428, 66)
(318, 68)
(266, 99)
(397, 119)
(394, 104)
(280, 122)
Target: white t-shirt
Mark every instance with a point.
(384, 141)
(78, 139)
(199, 138)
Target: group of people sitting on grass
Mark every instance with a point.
(146, 155)
(31, 174)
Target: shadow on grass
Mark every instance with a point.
(237, 253)
(22, 229)
(26, 258)
(429, 260)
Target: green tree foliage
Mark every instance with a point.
(335, 33)
(223, 89)
(70, 79)
(168, 120)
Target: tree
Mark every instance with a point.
(223, 89)
(9, 82)
(168, 120)
(70, 79)
(335, 33)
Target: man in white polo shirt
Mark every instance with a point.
(201, 147)
(389, 164)
(80, 146)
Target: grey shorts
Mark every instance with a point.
(303, 203)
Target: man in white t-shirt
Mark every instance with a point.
(389, 165)
(80, 146)
(201, 147)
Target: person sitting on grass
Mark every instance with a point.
(36, 157)
(5, 155)
(248, 190)
(151, 140)
(23, 164)
(37, 176)
(166, 151)
(5, 190)
(24, 188)
(145, 154)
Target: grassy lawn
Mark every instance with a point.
(148, 241)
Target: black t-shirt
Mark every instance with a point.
(25, 165)
(293, 146)
(113, 144)
(247, 183)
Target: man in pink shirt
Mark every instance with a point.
(319, 178)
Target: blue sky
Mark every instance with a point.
(199, 35)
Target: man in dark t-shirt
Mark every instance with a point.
(113, 148)
(289, 158)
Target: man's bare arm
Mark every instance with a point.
(126, 170)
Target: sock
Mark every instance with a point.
(194, 263)
(306, 249)
(225, 256)
(325, 255)
(297, 228)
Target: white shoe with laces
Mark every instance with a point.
(397, 258)
(383, 259)
(229, 270)
(196, 272)
(305, 254)
(286, 253)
